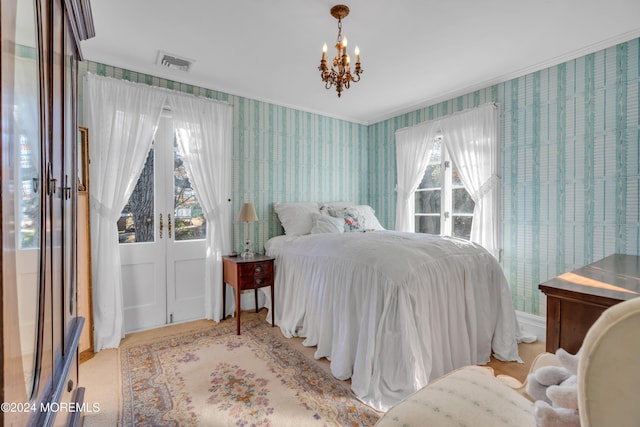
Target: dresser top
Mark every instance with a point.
(255, 258)
(616, 276)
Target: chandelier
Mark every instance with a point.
(340, 72)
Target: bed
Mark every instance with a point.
(390, 310)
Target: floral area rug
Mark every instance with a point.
(213, 377)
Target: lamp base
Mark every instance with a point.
(247, 253)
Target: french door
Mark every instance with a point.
(442, 203)
(162, 248)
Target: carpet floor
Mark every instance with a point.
(213, 377)
(201, 373)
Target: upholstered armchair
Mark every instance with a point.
(608, 384)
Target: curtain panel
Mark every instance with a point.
(471, 138)
(123, 118)
(203, 130)
(413, 150)
(472, 141)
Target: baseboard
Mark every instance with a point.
(532, 324)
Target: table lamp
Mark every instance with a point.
(247, 214)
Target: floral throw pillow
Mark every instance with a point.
(353, 220)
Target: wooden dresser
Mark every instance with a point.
(576, 299)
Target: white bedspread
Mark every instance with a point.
(393, 310)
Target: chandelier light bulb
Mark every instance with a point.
(344, 41)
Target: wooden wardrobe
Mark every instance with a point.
(40, 325)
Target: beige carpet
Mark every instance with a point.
(213, 377)
(101, 375)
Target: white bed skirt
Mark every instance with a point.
(393, 310)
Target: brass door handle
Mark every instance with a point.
(161, 226)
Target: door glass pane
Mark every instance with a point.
(462, 204)
(428, 224)
(428, 197)
(29, 200)
(462, 226)
(428, 201)
(455, 177)
(136, 223)
(462, 201)
(433, 174)
(22, 185)
(189, 219)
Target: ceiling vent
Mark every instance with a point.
(174, 62)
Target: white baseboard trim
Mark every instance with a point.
(532, 324)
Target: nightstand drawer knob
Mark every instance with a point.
(259, 282)
(259, 269)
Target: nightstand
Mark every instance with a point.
(247, 273)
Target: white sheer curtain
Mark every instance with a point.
(203, 130)
(123, 118)
(471, 138)
(413, 149)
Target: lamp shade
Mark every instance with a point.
(247, 213)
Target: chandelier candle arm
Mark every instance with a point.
(340, 73)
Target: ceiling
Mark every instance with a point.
(414, 52)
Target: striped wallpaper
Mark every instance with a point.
(279, 154)
(570, 165)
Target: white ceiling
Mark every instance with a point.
(414, 52)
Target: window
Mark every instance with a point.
(442, 204)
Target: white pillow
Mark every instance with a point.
(370, 220)
(327, 224)
(296, 218)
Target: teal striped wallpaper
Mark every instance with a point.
(569, 152)
(279, 154)
(570, 166)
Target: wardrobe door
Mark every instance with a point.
(55, 152)
(71, 324)
(61, 149)
(22, 208)
(40, 326)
